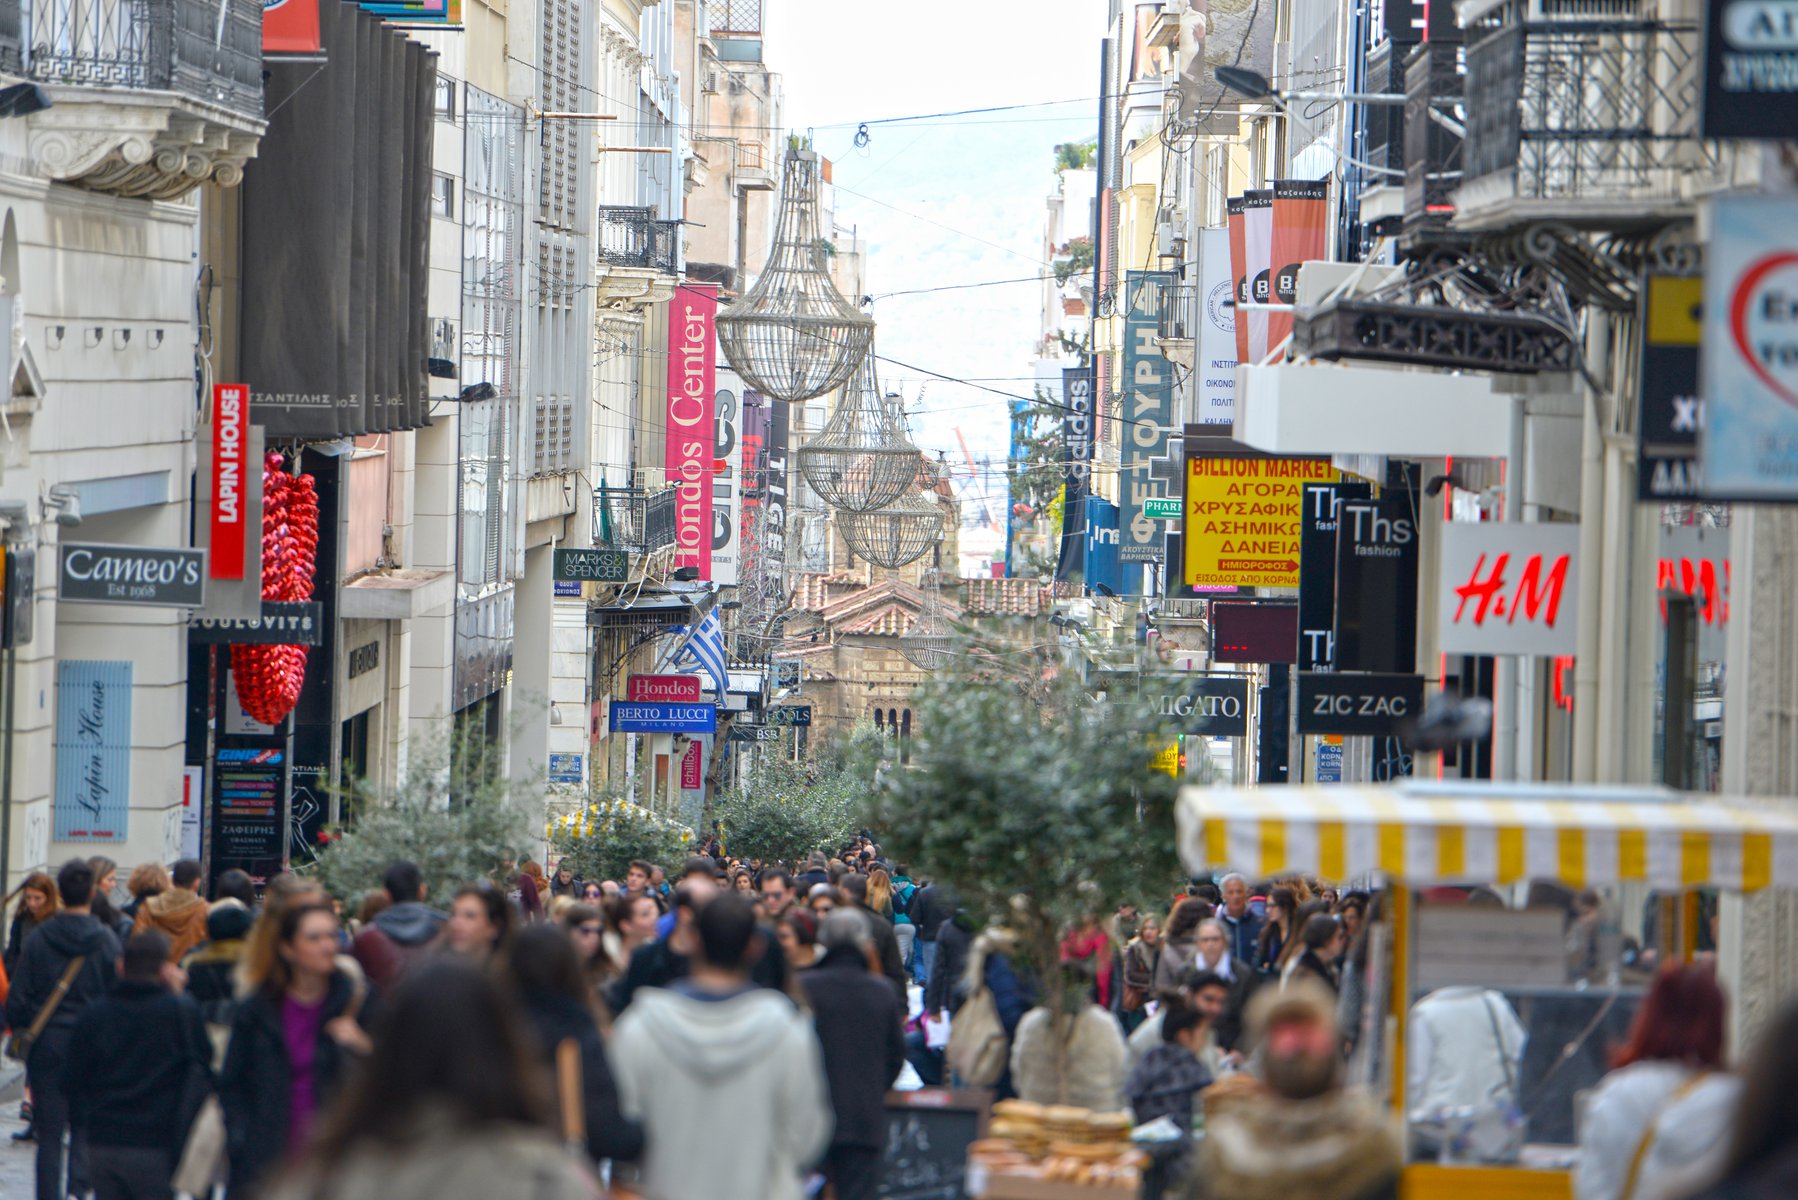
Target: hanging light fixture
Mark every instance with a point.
(793, 336)
(895, 535)
(862, 459)
(927, 643)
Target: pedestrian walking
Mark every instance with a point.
(481, 921)
(67, 964)
(934, 903)
(1179, 945)
(401, 934)
(886, 943)
(290, 1043)
(420, 1124)
(1662, 1117)
(1463, 1055)
(1278, 931)
(211, 968)
(139, 1067)
(1073, 1057)
(1206, 993)
(1321, 942)
(177, 911)
(38, 902)
(1240, 921)
(560, 1006)
(106, 881)
(1762, 1159)
(860, 1021)
(1168, 1080)
(727, 1077)
(1141, 957)
(146, 881)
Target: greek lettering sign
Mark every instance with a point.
(790, 714)
(1749, 444)
(565, 768)
(1672, 410)
(1359, 704)
(1206, 705)
(280, 624)
(93, 751)
(593, 566)
(170, 578)
(1509, 588)
(1750, 69)
(643, 717)
(1148, 414)
(1242, 518)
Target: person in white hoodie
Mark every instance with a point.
(726, 1078)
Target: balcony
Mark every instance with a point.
(1581, 112)
(1178, 323)
(632, 237)
(633, 519)
(152, 98)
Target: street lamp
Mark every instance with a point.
(1255, 86)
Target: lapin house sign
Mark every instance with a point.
(230, 491)
(692, 368)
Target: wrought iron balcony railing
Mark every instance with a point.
(1580, 111)
(206, 51)
(1178, 312)
(633, 519)
(632, 237)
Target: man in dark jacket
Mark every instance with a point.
(947, 986)
(814, 874)
(886, 942)
(139, 1065)
(659, 963)
(212, 965)
(74, 933)
(932, 904)
(400, 934)
(861, 1027)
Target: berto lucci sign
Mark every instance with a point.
(692, 378)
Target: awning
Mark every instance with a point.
(1425, 834)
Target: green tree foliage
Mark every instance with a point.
(453, 841)
(1075, 259)
(1072, 156)
(786, 810)
(603, 840)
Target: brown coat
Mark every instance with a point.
(177, 913)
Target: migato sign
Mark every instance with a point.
(1207, 705)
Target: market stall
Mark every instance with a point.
(1465, 867)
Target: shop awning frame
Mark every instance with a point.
(1426, 834)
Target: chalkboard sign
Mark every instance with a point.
(928, 1135)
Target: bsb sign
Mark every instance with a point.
(1509, 588)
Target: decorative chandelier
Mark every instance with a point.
(927, 643)
(861, 460)
(793, 336)
(895, 535)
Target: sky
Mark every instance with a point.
(982, 176)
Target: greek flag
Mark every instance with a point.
(704, 652)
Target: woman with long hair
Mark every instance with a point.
(146, 880)
(1294, 944)
(38, 902)
(260, 948)
(586, 930)
(1762, 1160)
(480, 921)
(1320, 944)
(1277, 931)
(1179, 946)
(559, 1004)
(106, 880)
(1141, 957)
(467, 1125)
(798, 934)
(290, 1040)
(880, 893)
(1662, 1117)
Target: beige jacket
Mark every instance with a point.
(1095, 1061)
(178, 913)
(451, 1163)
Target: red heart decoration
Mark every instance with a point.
(269, 677)
(1738, 319)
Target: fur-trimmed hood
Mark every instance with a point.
(1340, 1146)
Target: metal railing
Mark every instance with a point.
(633, 519)
(1585, 108)
(633, 237)
(208, 51)
(1179, 311)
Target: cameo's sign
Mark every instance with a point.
(171, 578)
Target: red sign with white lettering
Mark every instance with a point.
(690, 768)
(1509, 588)
(641, 689)
(230, 481)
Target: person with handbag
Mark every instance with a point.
(290, 1042)
(66, 966)
(1140, 959)
(139, 1067)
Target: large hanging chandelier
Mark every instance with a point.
(927, 643)
(895, 535)
(861, 460)
(793, 336)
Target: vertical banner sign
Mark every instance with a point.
(774, 495)
(1748, 448)
(1376, 583)
(727, 477)
(1317, 571)
(692, 364)
(1750, 85)
(1672, 410)
(93, 751)
(1077, 446)
(1258, 242)
(1236, 208)
(753, 432)
(230, 481)
(1101, 544)
(1148, 415)
(1217, 329)
(1300, 212)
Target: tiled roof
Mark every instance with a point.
(891, 621)
(813, 592)
(1006, 597)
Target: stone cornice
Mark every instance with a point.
(132, 142)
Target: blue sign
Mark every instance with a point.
(93, 751)
(1102, 544)
(567, 587)
(565, 768)
(638, 716)
(1147, 412)
(1329, 762)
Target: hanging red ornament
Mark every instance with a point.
(269, 677)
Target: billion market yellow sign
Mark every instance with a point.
(1242, 519)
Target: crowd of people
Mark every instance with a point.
(735, 1029)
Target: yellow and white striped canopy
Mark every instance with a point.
(1439, 833)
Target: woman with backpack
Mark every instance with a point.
(903, 927)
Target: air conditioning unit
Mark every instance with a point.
(1170, 234)
(711, 82)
